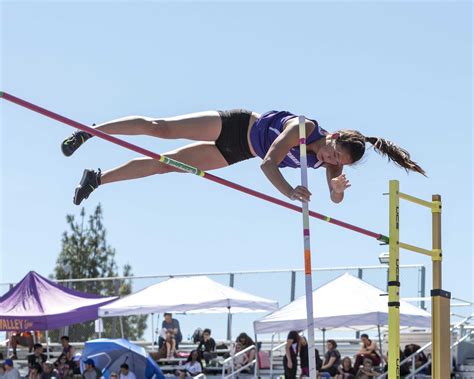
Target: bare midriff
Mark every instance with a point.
(253, 118)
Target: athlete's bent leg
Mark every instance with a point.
(203, 155)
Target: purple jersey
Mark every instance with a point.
(269, 126)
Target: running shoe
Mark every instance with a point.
(72, 143)
(89, 182)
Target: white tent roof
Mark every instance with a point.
(344, 302)
(196, 294)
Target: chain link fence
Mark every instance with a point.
(280, 285)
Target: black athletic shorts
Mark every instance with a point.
(232, 142)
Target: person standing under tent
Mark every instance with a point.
(290, 358)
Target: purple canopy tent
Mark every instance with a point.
(37, 303)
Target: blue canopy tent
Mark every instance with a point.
(109, 354)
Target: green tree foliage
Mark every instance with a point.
(85, 253)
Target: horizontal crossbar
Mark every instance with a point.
(187, 168)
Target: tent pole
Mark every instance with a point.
(256, 369)
(152, 333)
(121, 326)
(47, 343)
(324, 340)
(380, 343)
(229, 325)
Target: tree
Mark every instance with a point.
(85, 253)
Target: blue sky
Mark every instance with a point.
(402, 71)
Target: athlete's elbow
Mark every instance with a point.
(266, 165)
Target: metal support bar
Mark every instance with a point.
(423, 286)
(229, 315)
(293, 286)
(415, 200)
(416, 249)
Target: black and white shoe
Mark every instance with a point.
(72, 143)
(89, 182)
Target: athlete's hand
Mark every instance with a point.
(340, 183)
(300, 193)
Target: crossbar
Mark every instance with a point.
(185, 167)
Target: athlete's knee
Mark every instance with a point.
(162, 128)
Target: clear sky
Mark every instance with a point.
(402, 71)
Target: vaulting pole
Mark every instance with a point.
(307, 252)
(187, 168)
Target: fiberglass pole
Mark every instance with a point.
(307, 252)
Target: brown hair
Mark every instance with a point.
(354, 143)
(333, 343)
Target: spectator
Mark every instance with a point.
(366, 371)
(291, 351)
(35, 371)
(64, 370)
(241, 360)
(76, 364)
(368, 350)
(197, 335)
(246, 342)
(68, 350)
(168, 347)
(192, 367)
(346, 371)
(49, 372)
(171, 324)
(125, 372)
(332, 358)
(404, 368)
(10, 371)
(304, 359)
(38, 356)
(113, 375)
(23, 339)
(420, 358)
(207, 346)
(91, 372)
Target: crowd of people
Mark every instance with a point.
(66, 366)
(68, 363)
(367, 363)
(205, 354)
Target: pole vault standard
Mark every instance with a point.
(187, 168)
(307, 252)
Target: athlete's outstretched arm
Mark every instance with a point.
(288, 139)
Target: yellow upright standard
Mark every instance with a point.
(394, 284)
(440, 305)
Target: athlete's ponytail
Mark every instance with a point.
(354, 142)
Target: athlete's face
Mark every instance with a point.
(333, 154)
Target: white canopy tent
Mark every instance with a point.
(195, 294)
(345, 302)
